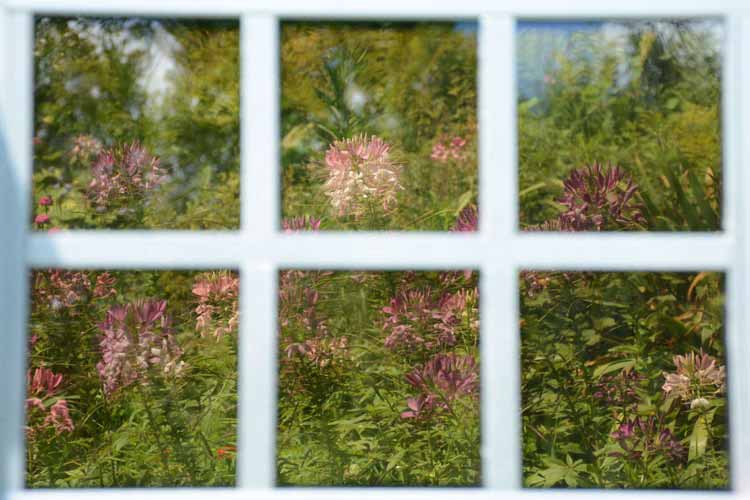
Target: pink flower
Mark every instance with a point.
(84, 148)
(361, 174)
(443, 379)
(41, 219)
(61, 288)
(45, 201)
(424, 319)
(697, 375)
(44, 382)
(136, 337)
(123, 172)
(59, 417)
(468, 220)
(445, 150)
(296, 224)
(218, 306)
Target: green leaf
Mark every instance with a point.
(613, 367)
(699, 438)
(531, 189)
(395, 460)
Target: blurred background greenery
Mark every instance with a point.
(172, 86)
(644, 95)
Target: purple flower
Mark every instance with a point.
(641, 434)
(296, 224)
(617, 391)
(444, 378)
(424, 319)
(599, 199)
(468, 220)
(122, 173)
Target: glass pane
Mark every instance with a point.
(136, 124)
(378, 379)
(132, 379)
(619, 125)
(624, 380)
(379, 124)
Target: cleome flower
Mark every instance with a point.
(428, 320)
(361, 176)
(137, 338)
(598, 199)
(697, 375)
(445, 150)
(122, 172)
(319, 347)
(44, 384)
(468, 220)
(619, 390)
(443, 379)
(84, 148)
(646, 435)
(217, 297)
(296, 224)
(59, 417)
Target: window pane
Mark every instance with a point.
(379, 125)
(132, 379)
(379, 379)
(623, 380)
(619, 125)
(136, 124)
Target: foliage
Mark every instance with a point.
(410, 85)
(611, 398)
(132, 375)
(173, 87)
(151, 401)
(378, 379)
(644, 96)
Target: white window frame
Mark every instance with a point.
(258, 249)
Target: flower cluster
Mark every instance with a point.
(443, 379)
(596, 199)
(43, 384)
(468, 220)
(84, 148)
(136, 337)
(361, 174)
(696, 377)
(217, 297)
(296, 224)
(445, 150)
(318, 347)
(426, 319)
(63, 289)
(118, 173)
(321, 350)
(619, 390)
(646, 435)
